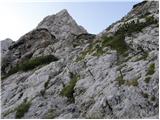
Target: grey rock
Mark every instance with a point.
(62, 25)
(5, 44)
(109, 85)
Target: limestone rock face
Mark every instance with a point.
(5, 45)
(62, 25)
(147, 39)
(113, 74)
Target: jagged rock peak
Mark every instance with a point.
(61, 25)
(4, 45)
(62, 12)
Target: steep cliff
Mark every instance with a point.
(59, 70)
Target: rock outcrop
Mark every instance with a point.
(62, 25)
(5, 45)
(58, 70)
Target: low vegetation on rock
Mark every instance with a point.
(132, 82)
(153, 98)
(147, 79)
(50, 114)
(145, 95)
(116, 42)
(120, 80)
(135, 26)
(45, 88)
(22, 109)
(143, 57)
(32, 63)
(151, 69)
(68, 90)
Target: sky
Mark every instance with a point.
(18, 18)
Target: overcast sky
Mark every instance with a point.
(18, 18)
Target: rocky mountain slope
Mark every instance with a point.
(59, 70)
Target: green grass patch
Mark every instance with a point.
(120, 80)
(43, 91)
(22, 109)
(50, 114)
(68, 90)
(145, 95)
(116, 42)
(147, 79)
(151, 69)
(153, 98)
(132, 82)
(98, 50)
(31, 64)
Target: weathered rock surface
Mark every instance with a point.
(90, 78)
(62, 25)
(5, 45)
